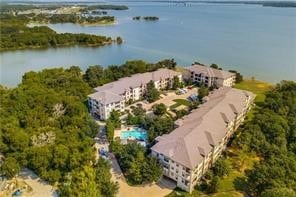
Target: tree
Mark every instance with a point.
(176, 83)
(110, 130)
(202, 92)
(82, 182)
(238, 76)
(103, 177)
(215, 66)
(10, 167)
(152, 170)
(279, 192)
(221, 168)
(167, 63)
(94, 75)
(136, 165)
(139, 111)
(115, 119)
(159, 109)
(119, 40)
(213, 185)
(152, 93)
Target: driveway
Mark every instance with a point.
(162, 188)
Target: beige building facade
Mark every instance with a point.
(192, 148)
(115, 95)
(210, 76)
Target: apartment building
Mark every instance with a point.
(210, 76)
(114, 95)
(194, 146)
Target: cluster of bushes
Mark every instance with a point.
(137, 166)
(147, 18)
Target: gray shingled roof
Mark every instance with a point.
(210, 72)
(105, 97)
(203, 128)
(123, 84)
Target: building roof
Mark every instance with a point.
(210, 72)
(202, 129)
(123, 84)
(106, 97)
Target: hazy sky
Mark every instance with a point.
(128, 0)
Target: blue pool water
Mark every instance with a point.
(137, 133)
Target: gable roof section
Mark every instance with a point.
(106, 97)
(124, 84)
(210, 72)
(203, 128)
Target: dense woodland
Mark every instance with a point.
(15, 34)
(9, 8)
(272, 135)
(46, 127)
(70, 18)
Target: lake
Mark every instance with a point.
(257, 41)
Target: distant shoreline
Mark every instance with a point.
(278, 4)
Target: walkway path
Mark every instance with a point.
(40, 187)
(160, 189)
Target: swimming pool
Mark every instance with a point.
(134, 133)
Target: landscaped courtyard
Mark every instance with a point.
(170, 99)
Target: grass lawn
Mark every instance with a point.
(179, 102)
(257, 87)
(229, 186)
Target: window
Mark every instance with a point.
(166, 159)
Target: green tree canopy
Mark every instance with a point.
(159, 109)
(152, 93)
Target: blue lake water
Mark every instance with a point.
(257, 41)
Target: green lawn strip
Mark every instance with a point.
(239, 162)
(257, 87)
(179, 102)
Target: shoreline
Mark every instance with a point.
(33, 24)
